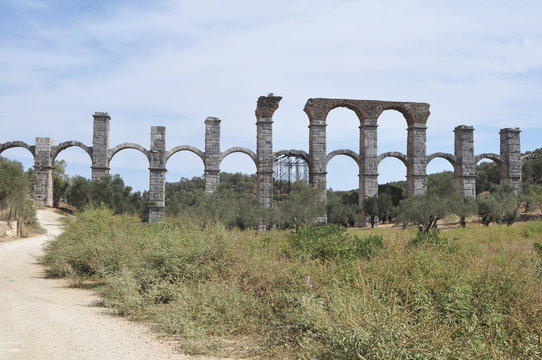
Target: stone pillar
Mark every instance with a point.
(265, 108)
(43, 169)
(212, 154)
(416, 171)
(100, 145)
(318, 164)
(511, 158)
(465, 169)
(157, 173)
(368, 170)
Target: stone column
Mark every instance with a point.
(511, 158)
(212, 154)
(43, 169)
(416, 171)
(368, 170)
(465, 169)
(157, 173)
(100, 145)
(265, 108)
(318, 164)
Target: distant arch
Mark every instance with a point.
(67, 144)
(451, 158)
(346, 152)
(407, 114)
(238, 149)
(530, 156)
(15, 144)
(491, 156)
(189, 148)
(394, 154)
(317, 109)
(296, 153)
(123, 146)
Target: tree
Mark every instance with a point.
(300, 207)
(423, 210)
(441, 184)
(342, 207)
(532, 168)
(60, 181)
(502, 206)
(488, 175)
(385, 207)
(107, 191)
(396, 190)
(464, 207)
(15, 187)
(370, 207)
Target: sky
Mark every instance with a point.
(175, 62)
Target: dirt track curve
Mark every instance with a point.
(44, 319)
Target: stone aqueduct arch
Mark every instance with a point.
(368, 111)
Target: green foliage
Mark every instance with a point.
(301, 207)
(15, 189)
(328, 242)
(396, 191)
(433, 237)
(60, 182)
(502, 206)
(233, 204)
(370, 207)
(464, 207)
(441, 184)
(423, 210)
(107, 191)
(535, 191)
(532, 168)
(342, 207)
(488, 175)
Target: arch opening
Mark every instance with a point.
(289, 168)
(342, 130)
(19, 154)
(489, 171)
(342, 173)
(440, 177)
(391, 131)
(132, 166)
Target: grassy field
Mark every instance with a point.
(324, 293)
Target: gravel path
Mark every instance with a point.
(45, 319)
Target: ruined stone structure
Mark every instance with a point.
(367, 159)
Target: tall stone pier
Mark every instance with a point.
(465, 169)
(100, 145)
(212, 154)
(43, 170)
(157, 173)
(511, 158)
(265, 108)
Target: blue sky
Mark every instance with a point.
(173, 63)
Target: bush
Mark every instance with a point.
(331, 241)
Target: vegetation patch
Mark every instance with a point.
(321, 293)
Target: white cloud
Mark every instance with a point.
(174, 63)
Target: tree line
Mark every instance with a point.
(235, 202)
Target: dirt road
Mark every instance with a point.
(44, 319)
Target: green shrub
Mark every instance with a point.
(331, 241)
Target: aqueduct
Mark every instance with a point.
(416, 160)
